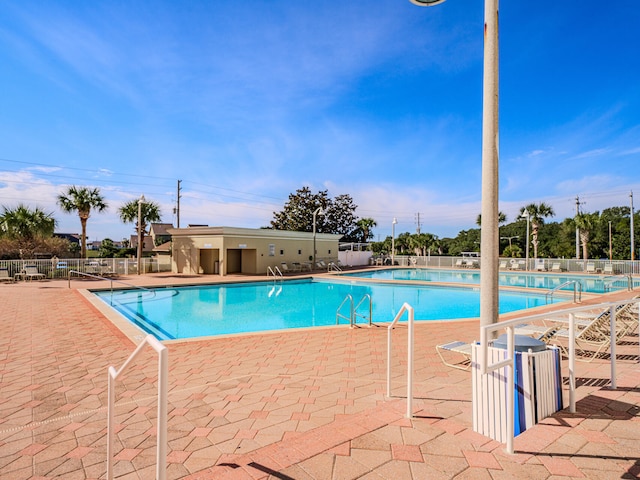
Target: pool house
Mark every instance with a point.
(230, 250)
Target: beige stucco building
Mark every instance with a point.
(227, 250)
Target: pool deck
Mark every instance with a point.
(304, 404)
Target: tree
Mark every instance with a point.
(107, 249)
(363, 230)
(502, 218)
(24, 231)
(297, 215)
(586, 223)
(82, 200)
(22, 223)
(537, 213)
(150, 212)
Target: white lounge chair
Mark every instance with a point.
(608, 269)
(460, 348)
(555, 267)
(284, 267)
(31, 272)
(591, 336)
(4, 275)
(591, 267)
(503, 265)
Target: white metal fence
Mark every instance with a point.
(614, 267)
(59, 268)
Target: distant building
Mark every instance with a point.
(72, 237)
(158, 235)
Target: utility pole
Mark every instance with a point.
(633, 251)
(178, 205)
(418, 223)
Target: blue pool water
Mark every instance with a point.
(187, 312)
(590, 284)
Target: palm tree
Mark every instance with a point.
(586, 223)
(22, 223)
(366, 225)
(537, 212)
(150, 212)
(82, 200)
(502, 218)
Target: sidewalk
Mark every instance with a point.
(298, 405)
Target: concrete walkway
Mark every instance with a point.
(305, 404)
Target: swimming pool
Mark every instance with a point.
(206, 310)
(590, 284)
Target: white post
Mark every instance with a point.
(612, 345)
(140, 232)
(633, 248)
(317, 211)
(393, 240)
(572, 363)
(409, 361)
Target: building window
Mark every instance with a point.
(329, 252)
(272, 249)
(281, 252)
(299, 252)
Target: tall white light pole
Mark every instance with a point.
(633, 248)
(526, 215)
(393, 240)
(489, 234)
(317, 211)
(141, 200)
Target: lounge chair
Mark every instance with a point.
(460, 263)
(591, 336)
(556, 267)
(4, 275)
(503, 265)
(608, 269)
(31, 272)
(296, 267)
(284, 267)
(591, 267)
(460, 348)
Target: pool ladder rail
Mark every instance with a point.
(612, 279)
(275, 272)
(353, 310)
(577, 291)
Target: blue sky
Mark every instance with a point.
(246, 102)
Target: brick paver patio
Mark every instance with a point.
(303, 404)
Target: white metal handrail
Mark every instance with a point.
(333, 267)
(610, 280)
(365, 297)
(111, 280)
(577, 289)
(275, 272)
(339, 315)
(487, 331)
(410, 321)
(163, 374)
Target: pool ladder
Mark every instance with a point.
(577, 291)
(353, 311)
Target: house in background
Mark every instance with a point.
(71, 237)
(158, 235)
